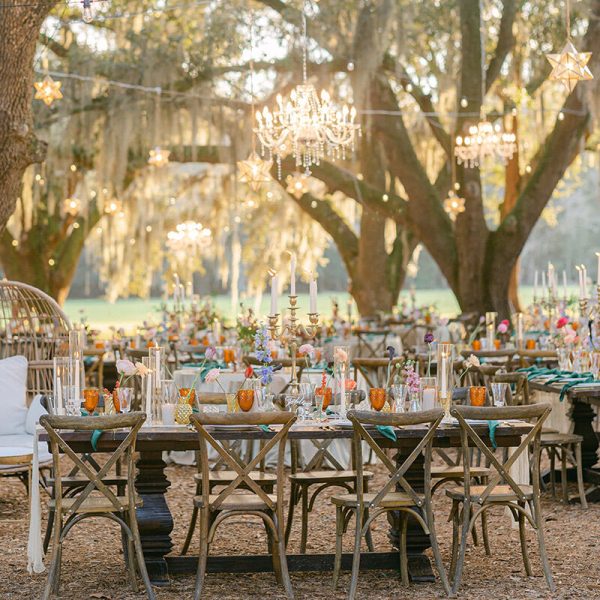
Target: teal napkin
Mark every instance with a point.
(387, 432)
(492, 425)
(265, 428)
(575, 381)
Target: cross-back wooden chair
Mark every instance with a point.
(397, 494)
(501, 488)
(220, 474)
(324, 471)
(216, 507)
(372, 342)
(374, 370)
(96, 499)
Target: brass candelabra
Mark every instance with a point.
(289, 334)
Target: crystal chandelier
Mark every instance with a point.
(188, 238)
(482, 141)
(309, 125)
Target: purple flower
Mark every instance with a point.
(210, 353)
(428, 337)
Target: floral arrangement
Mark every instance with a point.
(566, 333)
(411, 377)
(308, 352)
(262, 350)
(246, 327)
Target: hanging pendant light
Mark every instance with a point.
(569, 66)
(307, 123)
(254, 171)
(48, 90)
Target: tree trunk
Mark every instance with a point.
(19, 31)
(369, 284)
(29, 261)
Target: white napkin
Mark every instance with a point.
(35, 554)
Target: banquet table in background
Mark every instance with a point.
(156, 521)
(576, 413)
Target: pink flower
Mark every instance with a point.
(340, 355)
(141, 369)
(126, 367)
(307, 349)
(503, 326)
(561, 322)
(570, 337)
(212, 375)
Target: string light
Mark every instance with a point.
(297, 184)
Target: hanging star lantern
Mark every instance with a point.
(48, 90)
(297, 184)
(158, 157)
(570, 66)
(254, 171)
(454, 205)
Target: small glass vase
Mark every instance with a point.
(445, 377)
(414, 402)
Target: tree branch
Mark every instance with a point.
(345, 239)
(506, 41)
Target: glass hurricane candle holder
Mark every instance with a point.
(445, 376)
(428, 390)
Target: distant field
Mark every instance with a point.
(128, 313)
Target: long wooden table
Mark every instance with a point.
(583, 414)
(156, 521)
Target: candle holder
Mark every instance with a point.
(585, 314)
(289, 334)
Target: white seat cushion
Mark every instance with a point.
(26, 441)
(13, 383)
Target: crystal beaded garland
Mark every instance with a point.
(482, 141)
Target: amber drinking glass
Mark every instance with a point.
(91, 396)
(245, 399)
(477, 395)
(377, 398)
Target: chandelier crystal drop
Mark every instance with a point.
(482, 141)
(308, 125)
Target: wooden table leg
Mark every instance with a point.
(419, 566)
(154, 517)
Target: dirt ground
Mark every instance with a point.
(93, 565)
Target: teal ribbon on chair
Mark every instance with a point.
(492, 426)
(387, 432)
(95, 439)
